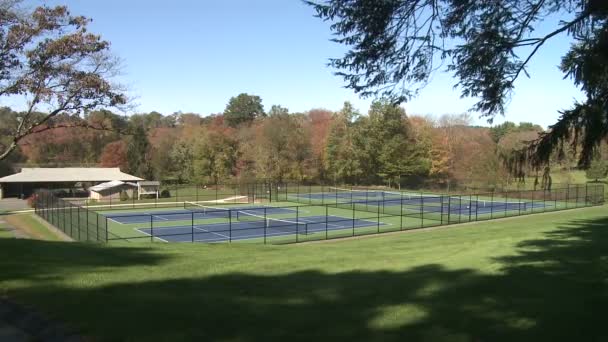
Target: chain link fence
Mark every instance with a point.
(290, 213)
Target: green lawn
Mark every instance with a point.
(4, 233)
(532, 278)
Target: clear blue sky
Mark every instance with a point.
(194, 55)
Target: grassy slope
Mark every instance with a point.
(4, 233)
(534, 278)
(32, 227)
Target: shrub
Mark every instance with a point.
(165, 194)
(597, 170)
(31, 200)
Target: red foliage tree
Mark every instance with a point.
(320, 122)
(114, 155)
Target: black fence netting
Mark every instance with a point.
(174, 195)
(78, 222)
(289, 213)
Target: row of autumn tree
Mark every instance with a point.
(245, 143)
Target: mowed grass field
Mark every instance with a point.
(533, 278)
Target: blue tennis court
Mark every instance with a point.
(185, 214)
(221, 232)
(463, 206)
(427, 203)
(373, 195)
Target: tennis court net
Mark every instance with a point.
(346, 193)
(281, 225)
(375, 196)
(207, 211)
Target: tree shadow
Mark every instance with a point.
(552, 289)
(25, 259)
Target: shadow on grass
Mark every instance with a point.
(553, 289)
(24, 259)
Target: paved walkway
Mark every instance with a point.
(6, 227)
(13, 204)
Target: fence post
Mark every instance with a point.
(157, 195)
(297, 223)
(336, 197)
(46, 205)
(78, 221)
(310, 194)
(506, 202)
(567, 195)
(378, 207)
(269, 192)
(422, 210)
(477, 207)
(354, 218)
(491, 206)
(64, 226)
(50, 201)
(265, 225)
(323, 194)
(459, 208)
(554, 200)
(470, 205)
(151, 228)
(326, 222)
(230, 225)
(87, 224)
(441, 206)
(192, 222)
(106, 229)
(96, 227)
(449, 208)
(71, 222)
(519, 202)
(586, 192)
(401, 216)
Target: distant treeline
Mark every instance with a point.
(383, 146)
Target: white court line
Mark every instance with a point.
(156, 237)
(152, 214)
(127, 216)
(111, 219)
(244, 237)
(184, 227)
(323, 222)
(208, 231)
(349, 226)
